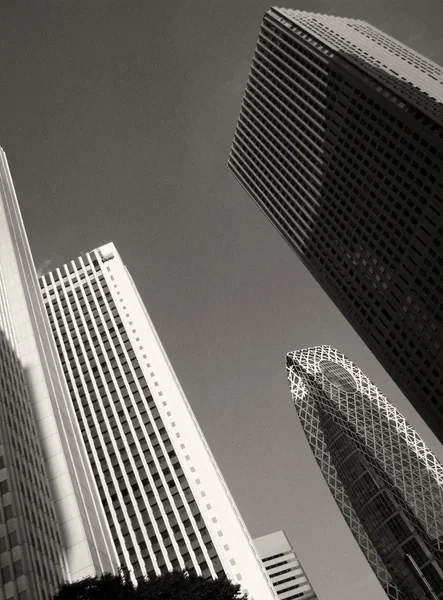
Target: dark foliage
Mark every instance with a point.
(106, 587)
(177, 585)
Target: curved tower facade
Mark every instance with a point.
(385, 480)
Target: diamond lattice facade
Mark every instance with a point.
(52, 524)
(385, 480)
(166, 502)
(340, 143)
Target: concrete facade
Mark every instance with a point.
(70, 506)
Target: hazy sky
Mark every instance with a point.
(117, 118)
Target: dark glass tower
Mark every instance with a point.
(386, 482)
(340, 143)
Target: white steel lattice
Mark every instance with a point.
(381, 434)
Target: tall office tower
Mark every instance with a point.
(52, 524)
(386, 482)
(283, 567)
(340, 143)
(165, 499)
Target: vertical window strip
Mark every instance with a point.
(74, 425)
(160, 470)
(135, 437)
(90, 306)
(75, 359)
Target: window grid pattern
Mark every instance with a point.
(31, 555)
(344, 157)
(153, 516)
(287, 575)
(381, 55)
(386, 482)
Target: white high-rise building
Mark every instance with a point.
(166, 502)
(283, 567)
(52, 524)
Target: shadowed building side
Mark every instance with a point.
(31, 549)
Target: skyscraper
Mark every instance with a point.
(340, 143)
(52, 525)
(283, 567)
(166, 502)
(386, 482)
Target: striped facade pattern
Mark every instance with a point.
(161, 513)
(283, 567)
(154, 518)
(385, 480)
(340, 143)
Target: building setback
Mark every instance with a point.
(283, 567)
(340, 143)
(386, 482)
(166, 502)
(52, 524)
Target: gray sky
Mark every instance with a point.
(117, 117)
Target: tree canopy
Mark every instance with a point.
(177, 585)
